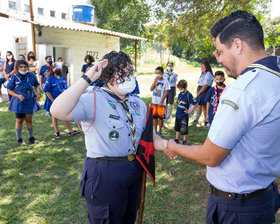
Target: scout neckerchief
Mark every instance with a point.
(217, 98)
(27, 80)
(128, 114)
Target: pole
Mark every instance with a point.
(32, 26)
(135, 55)
(142, 197)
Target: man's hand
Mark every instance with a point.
(169, 150)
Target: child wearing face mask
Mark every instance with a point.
(171, 76)
(214, 95)
(184, 100)
(160, 88)
(24, 89)
(55, 85)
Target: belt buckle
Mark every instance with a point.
(130, 157)
(28, 91)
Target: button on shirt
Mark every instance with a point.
(206, 78)
(247, 122)
(171, 77)
(110, 134)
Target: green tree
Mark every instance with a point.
(192, 20)
(272, 35)
(126, 16)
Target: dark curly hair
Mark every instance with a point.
(118, 62)
(90, 58)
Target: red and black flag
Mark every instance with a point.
(145, 151)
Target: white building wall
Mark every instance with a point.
(59, 6)
(77, 45)
(10, 30)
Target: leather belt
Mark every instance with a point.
(128, 158)
(234, 196)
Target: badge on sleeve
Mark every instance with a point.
(135, 105)
(231, 104)
(113, 135)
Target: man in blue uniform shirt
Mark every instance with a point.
(242, 148)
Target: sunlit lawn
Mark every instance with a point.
(40, 183)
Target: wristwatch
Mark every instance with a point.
(85, 77)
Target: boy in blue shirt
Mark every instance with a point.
(214, 95)
(184, 100)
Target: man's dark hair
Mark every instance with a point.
(220, 73)
(90, 58)
(242, 25)
(21, 62)
(60, 58)
(160, 69)
(46, 58)
(182, 84)
(118, 62)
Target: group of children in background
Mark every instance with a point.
(24, 90)
(164, 91)
(24, 94)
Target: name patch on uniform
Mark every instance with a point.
(135, 105)
(114, 135)
(114, 117)
(230, 103)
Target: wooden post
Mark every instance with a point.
(32, 27)
(142, 197)
(135, 56)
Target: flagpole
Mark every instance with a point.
(142, 197)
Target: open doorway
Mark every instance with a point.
(65, 54)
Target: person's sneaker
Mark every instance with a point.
(57, 135)
(47, 114)
(159, 134)
(184, 143)
(20, 142)
(205, 124)
(195, 122)
(74, 133)
(176, 140)
(33, 140)
(1, 100)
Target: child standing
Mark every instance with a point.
(55, 85)
(160, 88)
(184, 100)
(24, 102)
(214, 95)
(204, 84)
(171, 76)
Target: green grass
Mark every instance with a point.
(40, 183)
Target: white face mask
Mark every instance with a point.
(127, 86)
(10, 57)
